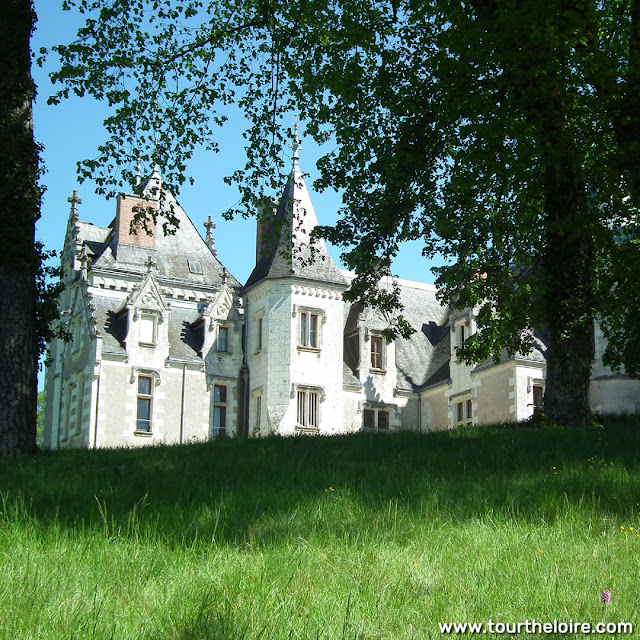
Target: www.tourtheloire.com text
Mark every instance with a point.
(534, 626)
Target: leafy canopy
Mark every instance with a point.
(444, 120)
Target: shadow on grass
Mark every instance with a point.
(267, 492)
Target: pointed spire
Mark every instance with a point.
(210, 242)
(284, 247)
(296, 145)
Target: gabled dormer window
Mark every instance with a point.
(194, 267)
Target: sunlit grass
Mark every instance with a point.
(367, 536)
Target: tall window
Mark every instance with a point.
(308, 401)
(258, 419)
(145, 404)
(309, 330)
(219, 410)
(462, 336)
(377, 352)
(538, 394)
(259, 334)
(223, 339)
(147, 329)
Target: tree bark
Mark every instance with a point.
(19, 259)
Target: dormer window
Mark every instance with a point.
(194, 267)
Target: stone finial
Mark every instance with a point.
(150, 264)
(225, 275)
(210, 242)
(296, 145)
(84, 262)
(75, 201)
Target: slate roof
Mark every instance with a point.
(423, 358)
(172, 252)
(538, 353)
(287, 250)
(111, 323)
(185, 334)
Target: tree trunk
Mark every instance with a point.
(19, 259)
(568, 268)
(570, 352)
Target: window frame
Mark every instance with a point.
(145, 315)
(223, 328)
(538, 406)
(374, 339)
(307, 317)
(146, 398)
(375, 412)
(259, 337)
(220, 405)
(462, 411)
(258, 410)
(308, 401)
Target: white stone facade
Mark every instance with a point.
(167, 347)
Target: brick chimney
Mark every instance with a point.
(266, 215)
(127, 207)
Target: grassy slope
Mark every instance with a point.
(367, 536)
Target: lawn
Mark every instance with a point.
(366, 536)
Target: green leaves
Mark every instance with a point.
(495, 132)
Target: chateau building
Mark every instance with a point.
(168, 347)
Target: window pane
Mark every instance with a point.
(383, 420)
(369, 418)
(303, 329)
(147, 329)
(537, 396)
(460, 412)
(469, 409)
(219, 420)
(313, 409)
(219, 393)
(143, 421)
(144, 385)
(223, 338)
(376, 352)
(259, 334)
(313, 330)
(144, 409)
(258, 420)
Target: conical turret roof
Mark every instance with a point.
(287, 249)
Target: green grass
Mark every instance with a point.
(366, 536)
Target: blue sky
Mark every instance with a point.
(73, 130)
